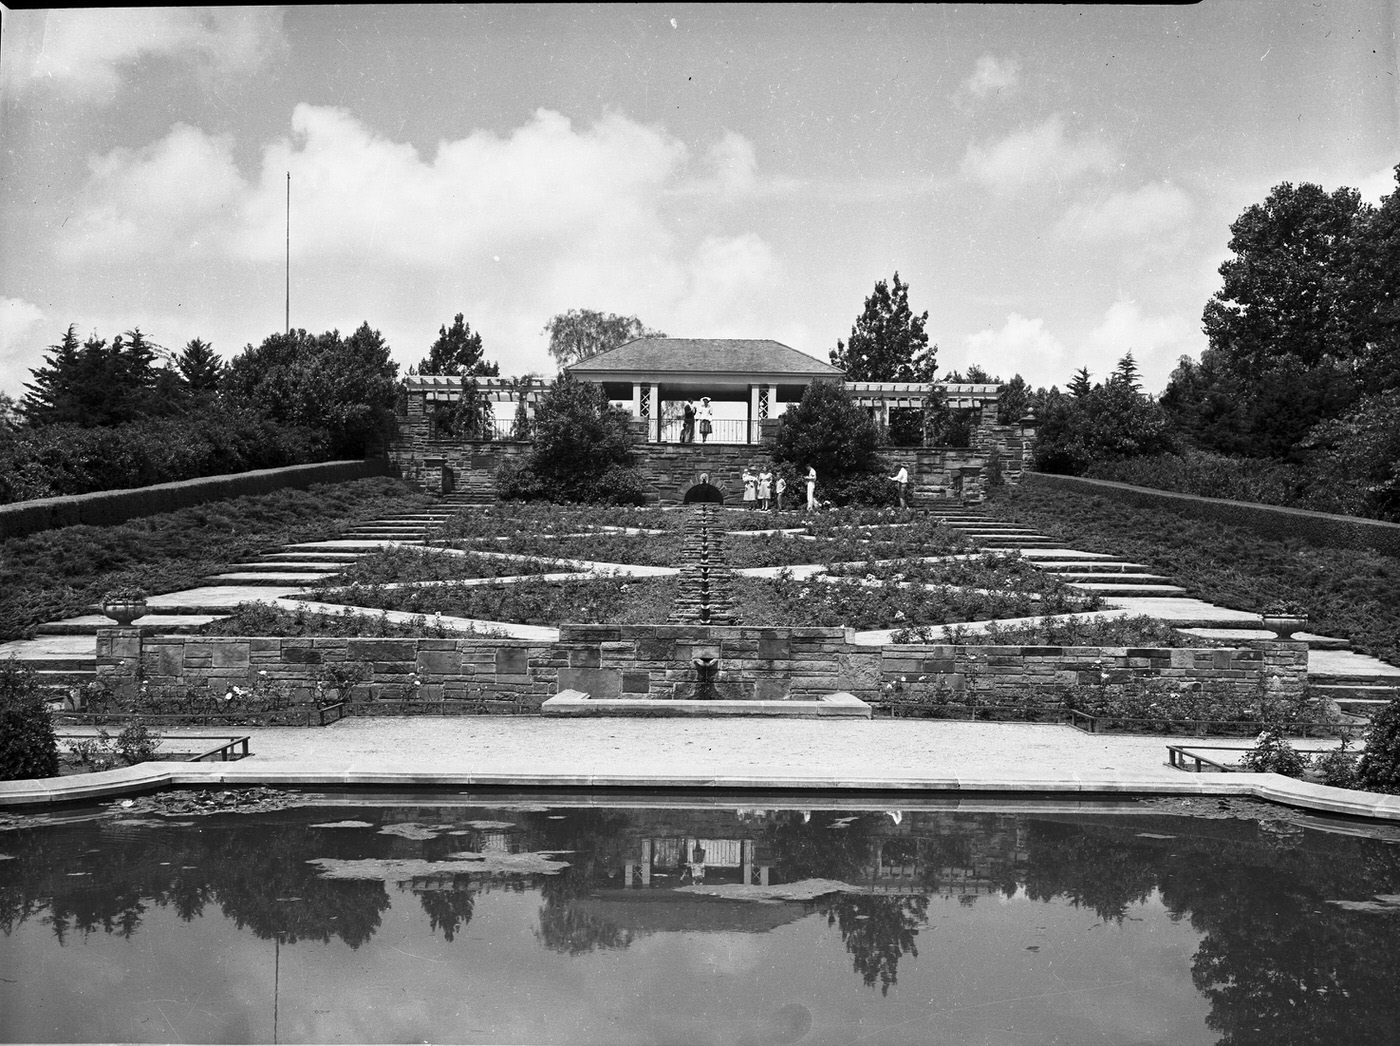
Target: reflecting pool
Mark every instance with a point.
(528, 919)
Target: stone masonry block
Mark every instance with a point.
(512, 661)
(382, 649)
(439, 662)
(584, 657)
(775, 649)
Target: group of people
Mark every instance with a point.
(760, 488)
(690, 414)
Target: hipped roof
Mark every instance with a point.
(706, 356)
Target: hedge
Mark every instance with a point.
(117, 506)
(1317, 528)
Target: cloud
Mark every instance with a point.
(1377, 184)
(992, 76)
(154, 199)
(1021, 346)
(1154, 209)
(20, 325)
(85, 54)
(510, 227)
(1156, 342)
(1034, 155)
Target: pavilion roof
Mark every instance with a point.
(706, 356)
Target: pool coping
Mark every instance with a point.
(1273, 788)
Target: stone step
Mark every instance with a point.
(1353, 691)
(56, 663)
(1107, 566)
(250, 577)
(325, 567)
(1127, 589)
(340, 557)
(1245, 633)
(1108, 578)
(153, 624)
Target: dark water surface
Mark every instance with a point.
(464, 918)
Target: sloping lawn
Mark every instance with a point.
(60, 573)
(1351, 594)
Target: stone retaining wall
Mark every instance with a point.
(655, 661)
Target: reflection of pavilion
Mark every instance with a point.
(724, 860)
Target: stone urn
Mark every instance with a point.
(124, 610)
(1284, 625)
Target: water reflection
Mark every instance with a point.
(1276, 961)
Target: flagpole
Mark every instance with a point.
(289, 253)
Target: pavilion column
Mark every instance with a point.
(654, 431)
(636, 399)
(753, 414)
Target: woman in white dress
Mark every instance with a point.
(811, 488)
(765, 488)
(707, 419)
(750, 487)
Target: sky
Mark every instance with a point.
(1054, 183)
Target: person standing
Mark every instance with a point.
(707, 419)
(765, 488)
(901, 480)
(811, 488)
(688, 422)
(781, 488)
(750, 487)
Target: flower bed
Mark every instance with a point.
(1138, 631)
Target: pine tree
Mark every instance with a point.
(1127, 372)
(46, 398)
(200, 367)
(457, 351)
(1079, 385)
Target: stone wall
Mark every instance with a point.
(655, 661)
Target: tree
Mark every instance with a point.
(1282, 327)
(888, 342)
(1372, 295)
(580, 333)
(344, 388)
(1110, 421)
(10, 414)
(830, 432)
(1127, 372)
(47, 399)
(457, 351)
(1013, 401)
(1079, 386)
(1379, 768)
(199, 368)
(28, 748)
(582, 449)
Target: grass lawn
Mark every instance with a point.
(60, 573)
(1350, 594)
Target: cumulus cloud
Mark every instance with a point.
(86, 53)
(512, 227)
(1022, 345)
(1154, 209)
(21, 329)
(1033, 155)
(1156, 342)
(992, 76)
(1377, 184)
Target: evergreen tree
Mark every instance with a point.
(1079, 385)
(1127, 372)
(830, 432)
(888, 342)
(458, 352)
(199, 367)
(47, 397)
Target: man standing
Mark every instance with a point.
(688, 422)
(901, 478)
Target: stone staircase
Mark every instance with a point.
(1358, 685)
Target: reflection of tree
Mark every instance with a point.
(1102, 873)
(877, 931)
(565, 928)
(448, 910)
(815, 850)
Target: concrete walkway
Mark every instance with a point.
(907, 756)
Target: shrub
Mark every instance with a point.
(582, 448)
(28, 747)
(137, 744)
(1379, 768)
(1271, 754)
(1338, 767)
(830, 432)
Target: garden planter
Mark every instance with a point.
(1285, 625)
(124, 611)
